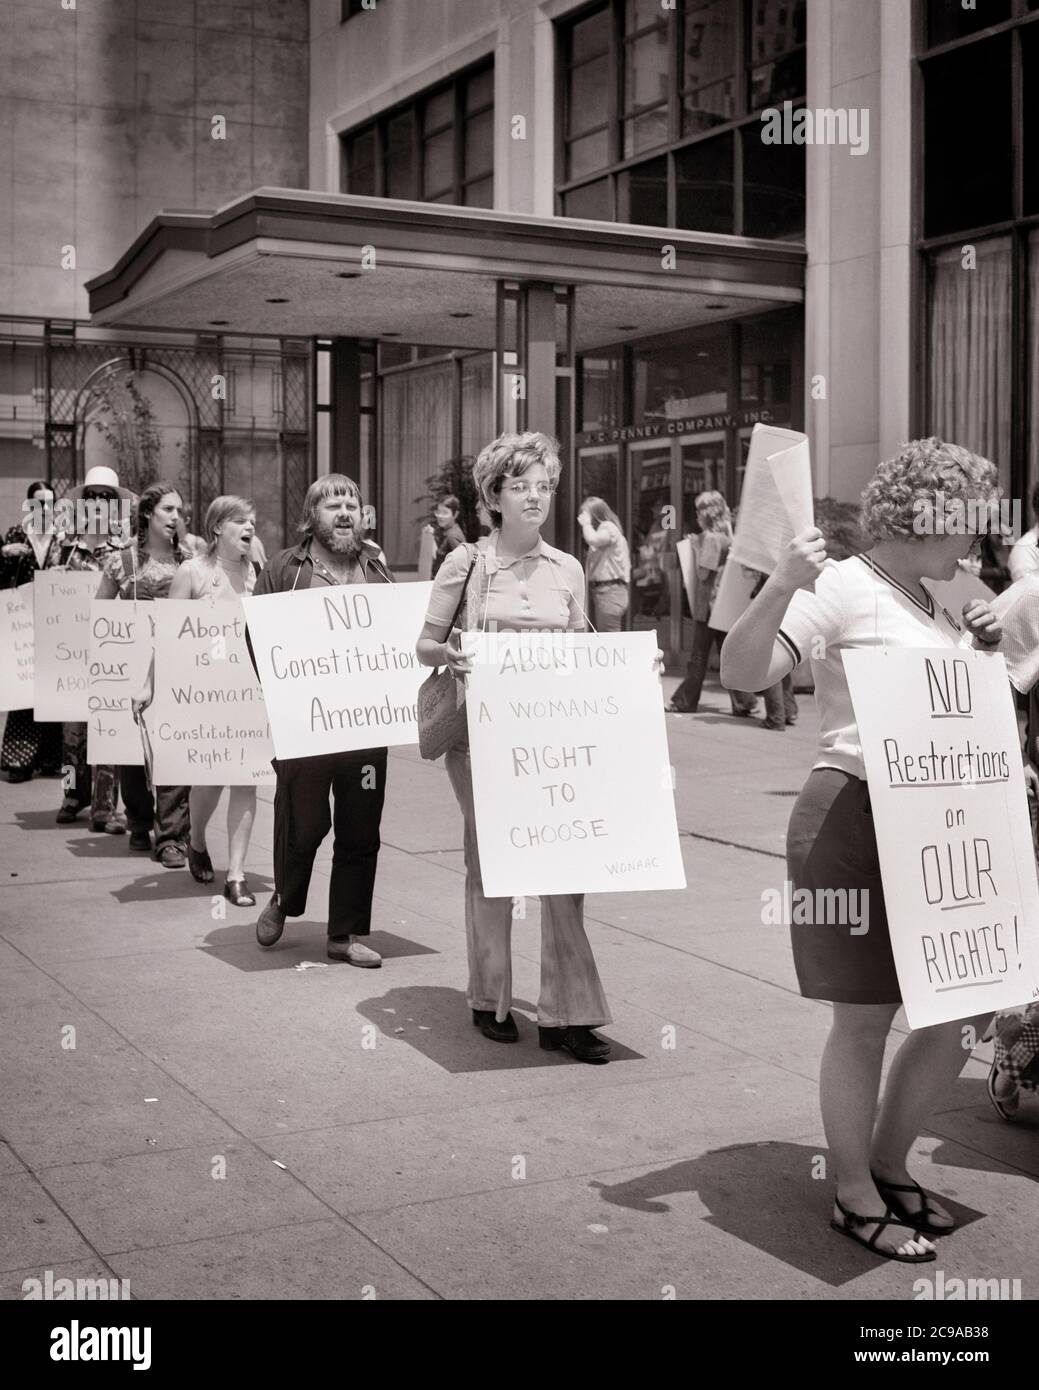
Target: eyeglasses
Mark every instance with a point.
(538, 489)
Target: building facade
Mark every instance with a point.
(565, 214)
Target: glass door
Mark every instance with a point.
(652, 537)
(702, 467)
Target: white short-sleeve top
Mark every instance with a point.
(855, 605)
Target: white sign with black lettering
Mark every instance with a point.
(208, 722)
(940, 743)
(121, 634)
(338, 665)
(572, 780)
(16, 648)
(61, 605)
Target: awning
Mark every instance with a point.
(288, 263)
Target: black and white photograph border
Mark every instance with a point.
(700, 332)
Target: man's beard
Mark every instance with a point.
(339, 540)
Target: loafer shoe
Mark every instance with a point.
(112, 826)
(578, 1040)
(270, 923)
(140, 839)
(354, 953)
(171, 856)
(504, 1032)
(68, 813)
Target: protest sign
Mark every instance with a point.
(338, 665)
(687, 564)
(956, 857)
(61, 611)
(733, 596)
(776, 497)
(121, 633)
(208, 721)
(16, 648)
(571, 774)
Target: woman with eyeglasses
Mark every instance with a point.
(518, 584)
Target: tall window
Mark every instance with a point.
(661, 116)
(438, 148)
(980, 223)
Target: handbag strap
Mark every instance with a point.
(474, 555)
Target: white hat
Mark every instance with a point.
(100, 476)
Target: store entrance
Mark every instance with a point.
(665, 477)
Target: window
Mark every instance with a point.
(967, 143)
(682, 86)
(979, 329)
(946, 22)
(437, 149)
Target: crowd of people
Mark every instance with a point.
(514, 581)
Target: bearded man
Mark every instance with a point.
(333, 551)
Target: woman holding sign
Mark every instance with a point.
(223, 571)
(143, 572)
(517, 584)
(29, 747)
(879, 599)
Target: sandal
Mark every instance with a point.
(999, 1103)
(200, 864)
(853, 1219)
(919, 1220)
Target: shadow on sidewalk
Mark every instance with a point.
(302, 940)
(437, 1023)
(764, 1194)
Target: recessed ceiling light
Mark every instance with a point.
(703, 354)
(347, 274)
(218, 323)
(626, 327)
(715, 304)
(460, 316)
(277, 300)
(389, 335)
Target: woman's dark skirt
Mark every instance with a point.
(832, 852)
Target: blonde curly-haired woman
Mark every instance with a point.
(880, 598)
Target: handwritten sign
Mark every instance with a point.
(61, 607)
(940, 744)
(16, 648)
(208, 722)
(338, 665)
(121, 635)
(571, 774)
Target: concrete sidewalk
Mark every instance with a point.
(228, 1126)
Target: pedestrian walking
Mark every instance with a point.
(29, 746)
(101, 506)
(143, 572)
(222, 572)
(333, 551)
(518, 584)
(878, 599)
(608, 566)
(711, 546)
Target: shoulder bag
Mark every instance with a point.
(441, 698)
